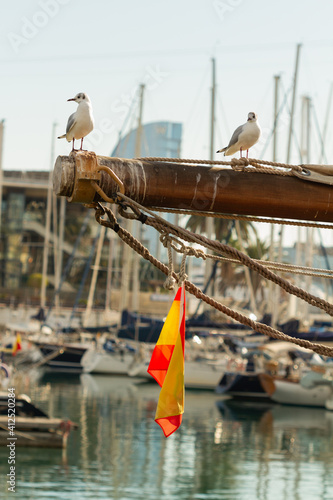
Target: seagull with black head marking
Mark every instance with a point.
(80, 123)
(244, 137)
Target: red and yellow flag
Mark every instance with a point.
(17, 345)
(167, 366)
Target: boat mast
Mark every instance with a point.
(280, 249)
(47, 224)
(296, 309)
(276, 111)
(109, 273)
(126, 263)
(93, 282)
(328, 109)
(309, 230)
(212, 113)
(293, 102)
(209, 223)
(275, 120)
(61, 235)
(136, 257)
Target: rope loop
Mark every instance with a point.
(136, 212)
(182, 276)
(170, 281)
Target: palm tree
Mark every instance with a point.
(223, 228)
(257, 250)
(233, 274)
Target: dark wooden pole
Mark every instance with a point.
(200, 188)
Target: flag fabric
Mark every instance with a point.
(17, 345)
(167, 366)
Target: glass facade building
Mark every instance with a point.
(158, 139)
(162, 139)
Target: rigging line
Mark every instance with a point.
(248, 218)
(227, 250)
(319, 273)
(321, 140)
(278, 266)
(326, 121)
(234, 163)
(285, 103)
(214, 267)
(194, 108)
(293, 134)
(191, 288)
(202, 50)
(128, 135)
(224, 118)
(144, 140)
(127, 118)
(323, 249)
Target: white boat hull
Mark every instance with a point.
(198, 374)
(294, 394)
(108, 363)
(203, 375)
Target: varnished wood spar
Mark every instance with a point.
(201, 188)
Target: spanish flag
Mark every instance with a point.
(17, 346)
(167, 366)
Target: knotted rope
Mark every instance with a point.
(191, 288)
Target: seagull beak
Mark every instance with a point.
(72, 99)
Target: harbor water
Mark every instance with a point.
(223, 449)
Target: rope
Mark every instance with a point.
(191, 288)
(284, 268)
(170, 282)
(278, 266)
(247, 218)
(234, 161)
(160, 224)
(239, 165)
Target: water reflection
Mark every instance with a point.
(291, 446)
(223, 450)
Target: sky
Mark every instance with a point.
(52, 49)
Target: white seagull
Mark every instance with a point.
(80, 123)
(244, 137)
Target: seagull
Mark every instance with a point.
(81, 122)
(244, 137)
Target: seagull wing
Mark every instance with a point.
(71, 122)
(235, 136)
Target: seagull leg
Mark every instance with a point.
(240, 151)
(81, 143)
(73, 145)
(247, 153)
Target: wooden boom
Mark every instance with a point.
(195, 187)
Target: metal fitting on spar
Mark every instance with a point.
(77, 176)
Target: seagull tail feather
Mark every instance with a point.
(221, 150)
(62, 136)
